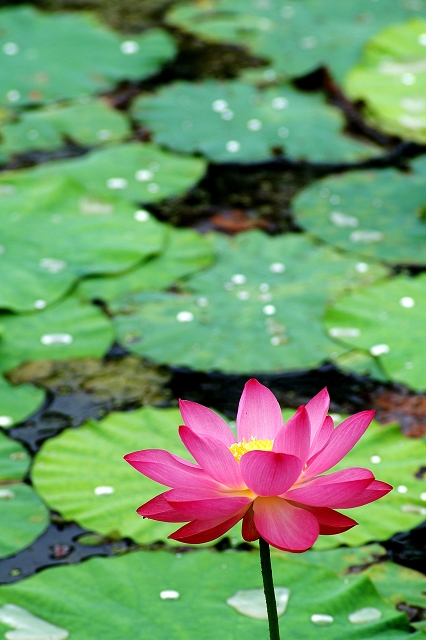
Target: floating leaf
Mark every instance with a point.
(17, 403)
(297, 37)
(95, 57)
(229, 121)
(107, 594)
(387, 320)
(106, 493)
(395, 584)
(259, 308)
(40, 261)
(185, 252)
(88, 123)
(136, 172)
(393, 459)
(377, 214)
(391, 80)
(23, 515)
(68, 329)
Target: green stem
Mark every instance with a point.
(268, 586)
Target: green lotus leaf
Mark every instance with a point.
(185, 252)
(17, 403)
(297, 36)
(106, 491)
(95, 57)
(394, 459)
(386, 320)
(134, 171)
(395, 584)
(233, 121)
(391, 80)
(66, 329)
(87, 123)
(115, 596)
(259, 308)
(377, 214)
(63, 233)
(23, 515)
(106, 495)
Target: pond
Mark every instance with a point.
(193, 195)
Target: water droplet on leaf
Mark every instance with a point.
(169, 594)
(56, 338)
(232, 146)
(277, 267)
(10, 48)
(407, 302)
(375, 459)
(116, 183)
(6, 494)
(252, 603)
(322, 619)
(104, 491)
(185, 316)
(379, 349)
(28, 626)
(367, 614)
(141, 215)
(129, 46)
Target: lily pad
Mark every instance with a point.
(96, 58)
(296, 37)
(39, 262)
(108, 592)
(377, 214)
(134, 171)
(386, 320)
(259, 308)
(67, 329)
(185, 252)
(233, 121)
(395, 584)
(393, 459)
(87, 123)
(23, 515)
(391, 80)
(17, 403)
(105, 495)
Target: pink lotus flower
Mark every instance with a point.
(270, 478)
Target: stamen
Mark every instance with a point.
(240, 448)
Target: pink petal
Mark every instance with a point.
(214, 457)
(343, 438)
(259, 414)
(159, 509)
(294, 437)
(374, 491)
(331, 522)
(204, 421)
(322, 437)
(249, 531)
(285, 526)
(317, 409)
(269, 474)
(166, 468)
(333, 490)
(199, 531)
(205, 505)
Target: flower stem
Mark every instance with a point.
(268, 586)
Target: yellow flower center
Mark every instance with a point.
(240, 448)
